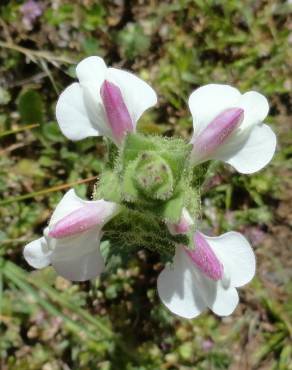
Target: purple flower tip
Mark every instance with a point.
(205, 259)
(117, 113)
(78, 221)
(217, 132)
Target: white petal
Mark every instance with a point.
(222, 301)
(93, 70)
(72, 115)
(236, 255)
(137, 94)
(225, 300)
(69, 203)
(256, 108)
(84, 268)
(256, 152)
(78, 257)
(178, 287)
(37, 253)
(77, 245)
(91, 73)
(208, 101)
(95, 108)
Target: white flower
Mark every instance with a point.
(71, 240)
(228, 126)
(106, 101)
(207, 276)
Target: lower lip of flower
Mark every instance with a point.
(217, 132)
(205, 259)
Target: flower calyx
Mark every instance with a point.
(153, 176)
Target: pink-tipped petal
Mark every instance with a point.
(116, 110)
(183, 226)
(205, 259)
(216, 133)
(78, 221)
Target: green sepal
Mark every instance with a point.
(112, 153)
(130, 192)
(172, 209)
(108, 187)
(192, 201)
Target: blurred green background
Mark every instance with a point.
(117, 322)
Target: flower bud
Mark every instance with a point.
(117, 113)
(205, 259)
(154, 177)
(215, 134)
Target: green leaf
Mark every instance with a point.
(30, 107)
(133, 41)
(4, 96)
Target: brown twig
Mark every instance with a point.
(46, 191)
(33, 55)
